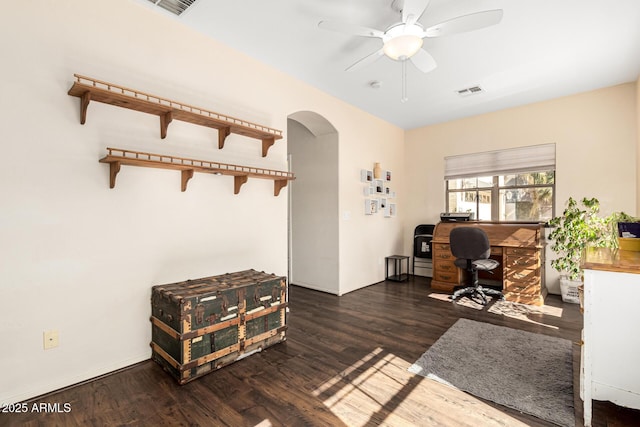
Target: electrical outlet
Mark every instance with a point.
(50, 339)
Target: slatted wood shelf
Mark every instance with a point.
(116, 157)
(89, 89)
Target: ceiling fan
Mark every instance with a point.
(403, 40)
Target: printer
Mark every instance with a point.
(456, 216)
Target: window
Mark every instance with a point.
(506, 185)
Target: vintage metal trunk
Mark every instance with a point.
(201, 325)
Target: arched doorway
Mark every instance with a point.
(313, 202)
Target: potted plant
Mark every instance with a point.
(579, 226)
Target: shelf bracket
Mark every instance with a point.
(186, 176)
(114, 168)
(238, 180)
(223, 133)
(84, 104)
(266, 143)
(278, 185)
(165, 119)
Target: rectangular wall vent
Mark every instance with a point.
(174, 6)
(470, 91)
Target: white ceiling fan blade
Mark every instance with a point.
(412, 10)
(369, 59)
(350, 29)
(424, 61)
(464, 23)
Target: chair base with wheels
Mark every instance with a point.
(477, 294)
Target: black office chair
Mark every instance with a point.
(470, 246)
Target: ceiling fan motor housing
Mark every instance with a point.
(402, 41)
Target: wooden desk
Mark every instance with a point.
(518, 247)
(611, 342)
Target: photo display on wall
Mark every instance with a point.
(378, 192)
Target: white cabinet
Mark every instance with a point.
(611, 335)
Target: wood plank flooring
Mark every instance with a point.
(344, 364)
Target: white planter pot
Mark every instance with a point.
(569, 290)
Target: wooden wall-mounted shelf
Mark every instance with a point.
(117, 157)
(88, 89)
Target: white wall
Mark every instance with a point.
(81, 258)
(638, 145)
(314, 209)
(595, 137)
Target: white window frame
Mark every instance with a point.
(535, 158)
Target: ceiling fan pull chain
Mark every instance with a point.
(404, 82)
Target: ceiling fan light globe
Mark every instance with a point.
(402, 47)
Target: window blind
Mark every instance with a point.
(534, 158)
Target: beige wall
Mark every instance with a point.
(596, 144)
(366, 240)
(81, 258)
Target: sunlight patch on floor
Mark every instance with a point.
(378, 388)
(527, 313)
(365, 387)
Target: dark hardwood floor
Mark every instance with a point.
(344, 364)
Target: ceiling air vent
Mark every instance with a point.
(470, 91)
(174, 6)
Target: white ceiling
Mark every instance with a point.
(542, 49)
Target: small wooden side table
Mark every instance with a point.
(398, 275)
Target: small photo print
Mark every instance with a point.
(390, 210)
(366, 175)
(383, 203)
(370, 206)
(379, 186)
(387, 176)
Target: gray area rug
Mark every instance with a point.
(529, 372)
